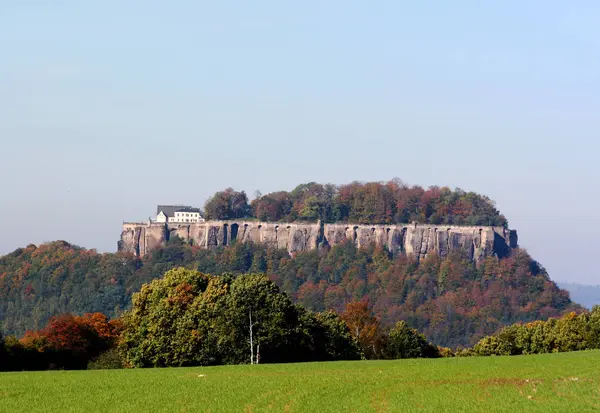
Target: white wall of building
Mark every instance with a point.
(190, 217)
(180, 217)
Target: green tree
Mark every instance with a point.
(334, 337)
(3, 353)
(594, 327)
(572, 332)
(311, 210)
(111, 359)
(189, 318)
(160, 330)
(255, 305)
(502, 344)
(405, 342)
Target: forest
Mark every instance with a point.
(363, 203)
(189, 318)
(452, 301)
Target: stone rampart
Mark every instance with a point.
(416, 240)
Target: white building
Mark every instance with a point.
(178, 213)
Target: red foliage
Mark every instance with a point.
(90, 333)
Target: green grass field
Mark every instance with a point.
(568, 382)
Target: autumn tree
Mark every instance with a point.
(275, 206)
(361, 202)
(364, 327)
(227, 204)
(67, 342)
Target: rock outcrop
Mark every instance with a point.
(417, 240)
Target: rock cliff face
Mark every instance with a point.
(476, 243)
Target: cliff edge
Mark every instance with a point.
(417, 240)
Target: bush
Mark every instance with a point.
(405, 342)
(572, 332)
(464, 352)
(446, 352)
(111, 359)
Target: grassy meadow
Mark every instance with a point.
(567, 382)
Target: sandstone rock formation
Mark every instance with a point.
(417, 240)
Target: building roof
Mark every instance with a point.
(188, 209)
(169, 210)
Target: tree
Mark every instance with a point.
(70, 341)
(594, 327)
(13, 356)
(67, 342)
(274, 319)
(571, 332)
(364, 327)
(227, 204)
(3, 355)
(334, 337)
(111, 359)
(161, 328)
(189, 318)
(275, 206)
(405, 342)
(452, 301)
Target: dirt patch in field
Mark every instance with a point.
(380, 400)
(503, 381)
(509, 382)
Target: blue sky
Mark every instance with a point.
(108, 108)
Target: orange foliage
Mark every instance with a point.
(74, 333)
(363, 326)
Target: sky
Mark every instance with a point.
(110, 108)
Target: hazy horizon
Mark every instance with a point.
(108, 110)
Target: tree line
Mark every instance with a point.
(188, 318)
(67, 342)
(363, 203)
(451, 300)
(572, 332)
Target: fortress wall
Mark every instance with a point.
(417, 240)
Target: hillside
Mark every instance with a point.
(450, 296)
(451, 300)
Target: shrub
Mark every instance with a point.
(572, 332)
(446, 352)
(111, 359)
(405, 342)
